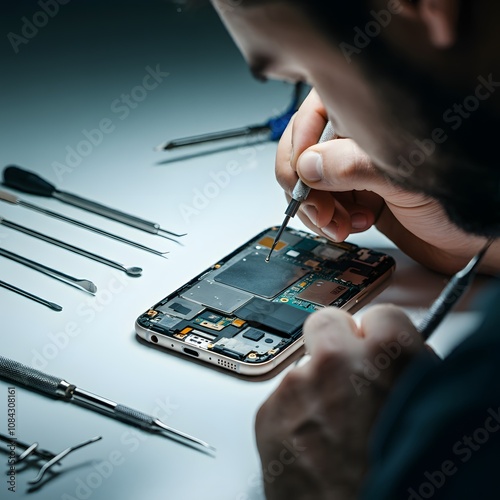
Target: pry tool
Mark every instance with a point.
(28, 295)
(82, 284)
(130, 271)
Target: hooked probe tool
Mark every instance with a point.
(14, 200)
(300, 193)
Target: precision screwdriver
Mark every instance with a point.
(59, 388)
(29, 182)
(14, 200)
(273, 128)
(300, 193)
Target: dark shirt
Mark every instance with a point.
(438, 436)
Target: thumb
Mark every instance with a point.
(340, 165)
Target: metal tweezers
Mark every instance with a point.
(51, 458)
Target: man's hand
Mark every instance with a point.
(312, 433)
(349, 195)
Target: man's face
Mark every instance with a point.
(279, 43)
(389, 113)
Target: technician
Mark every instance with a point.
(412, 87)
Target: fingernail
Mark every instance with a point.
(310, 166)
(331, 230)
(311, 212)
(359, 221)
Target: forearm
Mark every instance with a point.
(435, 242)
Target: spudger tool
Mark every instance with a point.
(14, 200)
(28, 295)
(52, 458)
(273, 128)
(130, 271)
(85, 285)
(29, 182)
(59, 388)
(299, 194)
(455, 288)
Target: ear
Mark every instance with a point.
(439, 16)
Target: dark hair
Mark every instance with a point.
(461, 171)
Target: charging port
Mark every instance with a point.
(191, 352)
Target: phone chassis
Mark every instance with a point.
(246, 315)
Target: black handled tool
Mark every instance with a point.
(29, 182)
(452, 292)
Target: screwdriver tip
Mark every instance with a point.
(164, 146)
(268, 258)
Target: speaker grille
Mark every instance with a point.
(227, 364)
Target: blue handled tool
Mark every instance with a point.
(272, 129)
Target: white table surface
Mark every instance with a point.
(65, 80)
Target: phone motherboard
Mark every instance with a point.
(245, 311)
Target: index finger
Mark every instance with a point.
(308, 125)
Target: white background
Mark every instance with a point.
(62, 81)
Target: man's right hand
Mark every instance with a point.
(349, 195)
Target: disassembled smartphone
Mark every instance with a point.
(246, 315)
